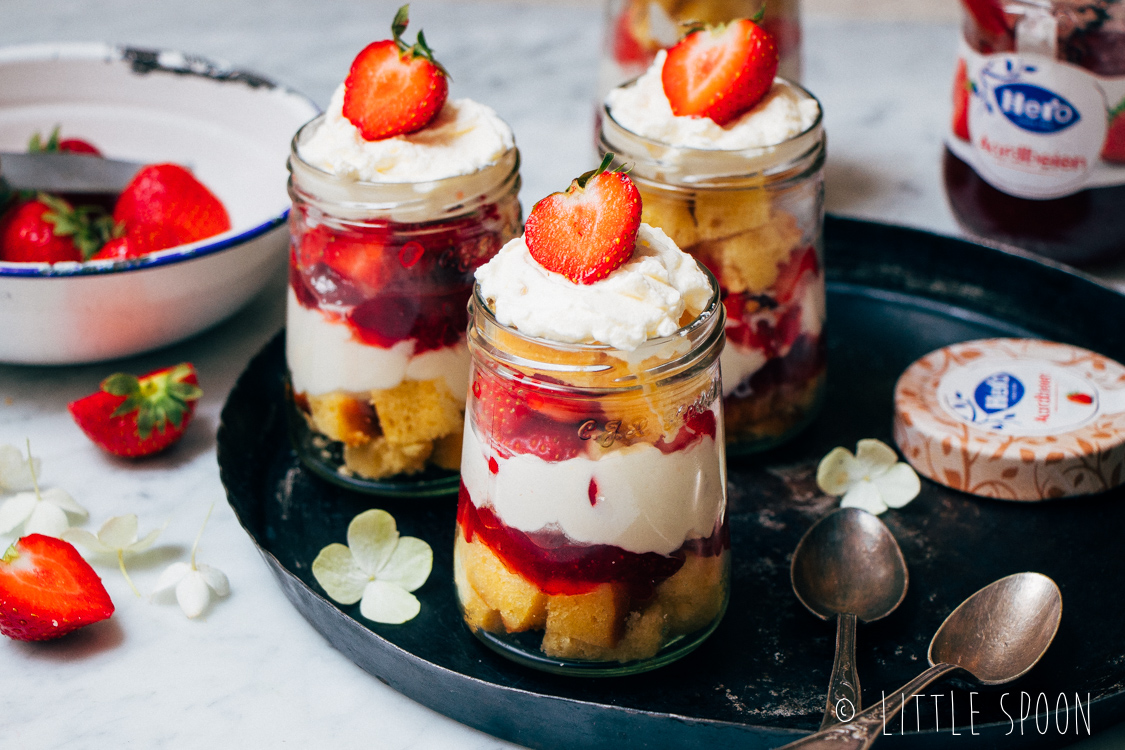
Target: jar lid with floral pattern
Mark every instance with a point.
(1017, 419)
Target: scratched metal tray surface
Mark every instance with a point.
(894, 295)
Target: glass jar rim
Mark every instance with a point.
(444, 196)
(701, 165)
(704, 333)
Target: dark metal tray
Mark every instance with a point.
(894, 295)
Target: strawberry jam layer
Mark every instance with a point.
(391, 282)
(556, 565)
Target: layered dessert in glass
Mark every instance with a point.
(386, 235)
(591, 527)
(746, 199)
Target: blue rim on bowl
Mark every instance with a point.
(146, 60)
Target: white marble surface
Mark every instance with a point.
(252, 672)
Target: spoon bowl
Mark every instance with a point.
(1002, 631)
(849, 563)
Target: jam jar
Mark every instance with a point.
(380, 275)
(754, 217)
(1035, 155)
(592, 533)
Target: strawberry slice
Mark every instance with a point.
(720, 71)
(394, 88)
(133, 416)
(801, 262)
(47, 590)
(504, 411)
(589, 231)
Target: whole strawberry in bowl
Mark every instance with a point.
(195, 235)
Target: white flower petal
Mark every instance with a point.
(145, 543)
(62, 499)
(387, 603)
(215, 579)
(836, 472)
(15, 471)
(119, 532)
(171, 576)
(46, 519)
(899, 485)
(15, 510)
(410, 564)
(875, 456)
(336, 571)
(372, 537)
(864, 495)
(192, 594)
(87, 540)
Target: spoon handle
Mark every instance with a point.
(843, 688)
(862, 731)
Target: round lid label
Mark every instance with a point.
(1014, 397)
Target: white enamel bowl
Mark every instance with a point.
(230, 127)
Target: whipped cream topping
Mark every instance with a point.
(463, 138)
(324, 356)
(648, 501)
(643, 299)
(642, 107)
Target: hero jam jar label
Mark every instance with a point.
(1019, 398)
(1038, 127)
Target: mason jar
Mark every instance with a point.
(592, 532)
(380, 275)
(754, 217)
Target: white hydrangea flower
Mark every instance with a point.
(377, 568)
(117, 536)
(872, 479)
(16, 472)
(192, 582)
(40, 512)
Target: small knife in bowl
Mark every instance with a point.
(66, 173)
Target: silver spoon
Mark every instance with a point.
(996, 635)
(848, 566)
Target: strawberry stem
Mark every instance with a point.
(31, 468)
(199, 536)
(420, 48)
(121, 564)
(606, 161)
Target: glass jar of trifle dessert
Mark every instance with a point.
(591, 528)
(745, 197)
(386, 234)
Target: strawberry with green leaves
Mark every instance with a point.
(47, 229)
(720, 71)
(394, 88)
(133, 416)
(47, 590)
(589, 231)
(55, 145)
